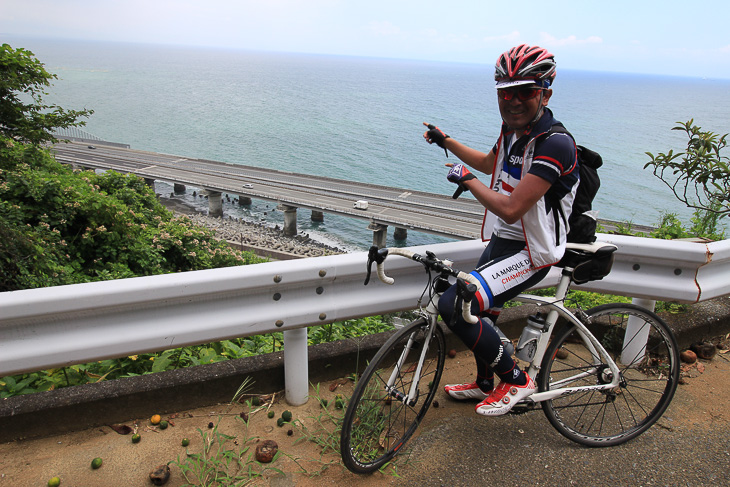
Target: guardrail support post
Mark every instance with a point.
(637, 346)
(296, 366)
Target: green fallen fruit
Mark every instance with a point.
(96, 463)
(271, 414)
(185, 442)
(286, 416)
(136, 438)
(164, 425)
(54, 482)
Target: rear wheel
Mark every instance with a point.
(647, 356)
(379, 419)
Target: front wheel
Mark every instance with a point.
(380, 419)
(647, 356)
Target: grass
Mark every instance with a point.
(229, 460)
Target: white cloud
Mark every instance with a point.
(511, 38)
(552, 41)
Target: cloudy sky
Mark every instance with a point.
(643, 36)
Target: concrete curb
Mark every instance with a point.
(90, 405)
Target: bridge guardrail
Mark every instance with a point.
(59, 326)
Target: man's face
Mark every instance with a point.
(519, 105)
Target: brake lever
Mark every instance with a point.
(374, 255)
(466, 290)
(459, 190)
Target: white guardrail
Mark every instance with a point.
(59, 326)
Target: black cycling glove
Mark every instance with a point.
(436, 135)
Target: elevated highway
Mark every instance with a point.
(387, 206)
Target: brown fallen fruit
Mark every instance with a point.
(160, 475)
(704, 350)
(122, 429)
(688, 357)
(266, 451)
(452, 353)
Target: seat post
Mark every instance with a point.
(561, 290)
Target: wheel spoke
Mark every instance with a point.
(645, 387)
(378, 420)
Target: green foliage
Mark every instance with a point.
(349, 329)
(59, 226)
(700, 176)
(704, 224)
(141, 364)
(576, 298)
(670, 227)
(624, 228)
(24, 116)
(587, 300)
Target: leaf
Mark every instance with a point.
(160, 364)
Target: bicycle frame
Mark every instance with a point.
(430, 315)
(556, 307)
(555, 304)
(588, 396)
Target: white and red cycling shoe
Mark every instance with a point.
(504, 397)
(465, 391)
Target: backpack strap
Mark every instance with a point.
(556, 209)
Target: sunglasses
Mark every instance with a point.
(523, 94)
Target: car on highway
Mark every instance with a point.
(248, 186)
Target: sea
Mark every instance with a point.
(360, 119)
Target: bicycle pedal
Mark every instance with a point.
(522, 408)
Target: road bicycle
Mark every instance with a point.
(604, 376)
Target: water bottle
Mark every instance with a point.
(527, 346)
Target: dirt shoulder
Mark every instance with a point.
(700, 406)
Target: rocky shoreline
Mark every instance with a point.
(260, 239)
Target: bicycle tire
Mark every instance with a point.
(376, 425)
(647, 384)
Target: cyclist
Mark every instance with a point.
(530, 176)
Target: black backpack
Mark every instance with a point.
(582, 224)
